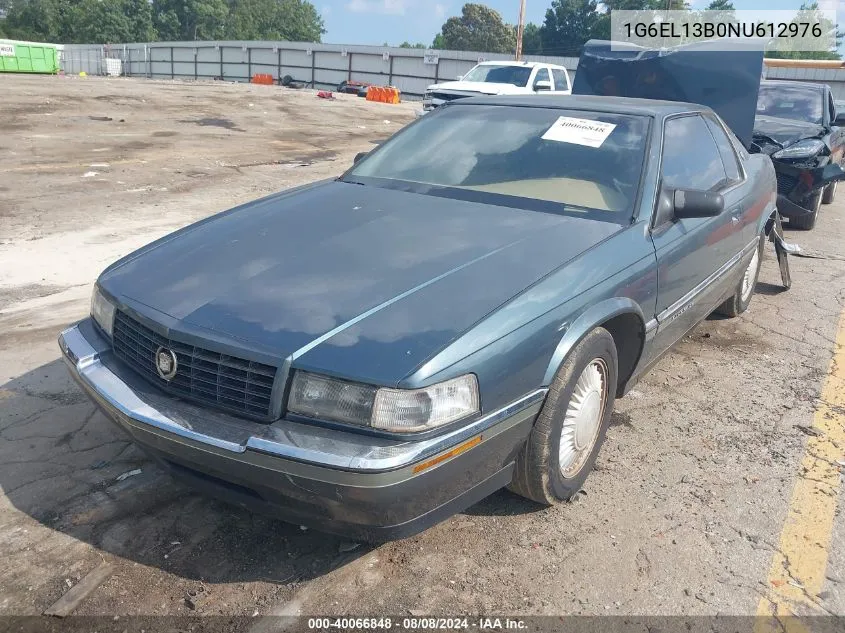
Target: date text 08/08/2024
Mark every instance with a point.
(416, 624)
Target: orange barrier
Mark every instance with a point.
(803, 63)
(383, 94)
(262, 79)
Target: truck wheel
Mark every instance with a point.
(571, 426)
(807, 222)
(741, 299)
(829, 193)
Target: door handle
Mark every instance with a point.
(735, 213)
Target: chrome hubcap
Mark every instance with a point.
(583, 418)
(750, 276)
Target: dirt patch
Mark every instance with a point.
(227, 124)
(28, 291)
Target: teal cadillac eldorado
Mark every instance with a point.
(453, 315)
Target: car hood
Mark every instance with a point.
(786, 131)
(724, 79)
(352, 280)
(481, 87)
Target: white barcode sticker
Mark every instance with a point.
(579, 131)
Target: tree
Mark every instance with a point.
(479, 28)
(438, 44)
(167, 25)
(569, 24)
(109, 21)
(197, 19)
(809, 13)
(292, 20)
(720, 5)
(532, 42)
(34, 20)
(407, 44)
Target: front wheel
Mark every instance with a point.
(829, 193)
(808, 221)
(570, 429)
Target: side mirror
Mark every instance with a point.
(359, 156)
(459, 77)
(689, 203)
(539, 86)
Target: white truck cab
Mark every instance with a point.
(500, 78)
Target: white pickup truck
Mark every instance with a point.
(500, 78)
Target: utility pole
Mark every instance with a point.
(520, 30)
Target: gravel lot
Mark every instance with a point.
(683, 515)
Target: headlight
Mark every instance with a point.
(399, 410)
(801, 149)
(102, 310)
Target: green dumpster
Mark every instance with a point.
(28, 57)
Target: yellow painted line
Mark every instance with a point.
(798, 567)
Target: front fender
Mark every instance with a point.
(591, 318)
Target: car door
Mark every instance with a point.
(738, 194)
(692, 253)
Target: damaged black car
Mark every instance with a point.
(796, 125)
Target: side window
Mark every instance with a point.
(726, 150)
(560, 79)
(542, 75)
(691, 159)
(831, 106)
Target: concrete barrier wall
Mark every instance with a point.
(318, 65)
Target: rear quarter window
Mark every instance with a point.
(726, 150)
(691, 159)
(561, 82)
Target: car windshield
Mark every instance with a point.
(516, 75)
(787, 102)
(559, 161)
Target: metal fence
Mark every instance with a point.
(833, 77)
(317, 65)
(322, 65)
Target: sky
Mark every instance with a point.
(394, 21)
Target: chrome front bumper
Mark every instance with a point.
(332, 479)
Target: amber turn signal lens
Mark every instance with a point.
(460, 448)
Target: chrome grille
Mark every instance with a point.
(225, 382)
(449, 96)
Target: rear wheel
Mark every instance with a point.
(829, 193)
(568, 433)
(741, 299)
(808, 221)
